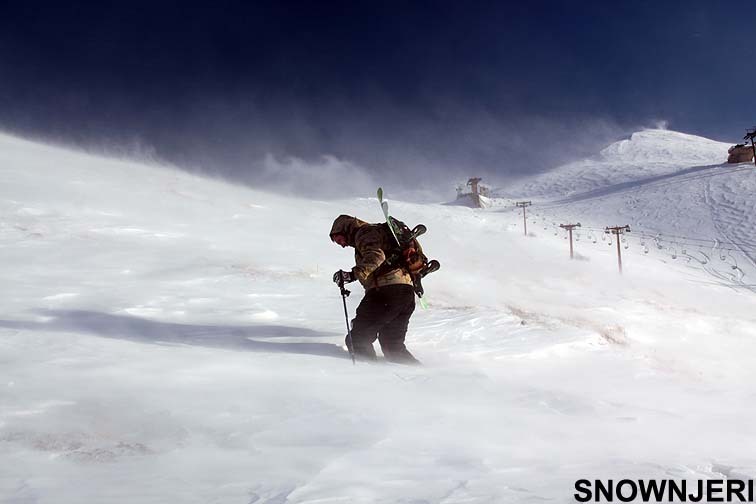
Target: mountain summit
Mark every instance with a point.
(644, 154)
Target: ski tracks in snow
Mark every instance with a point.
(705, 214)
(730, 201)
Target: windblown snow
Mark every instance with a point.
(171, 338)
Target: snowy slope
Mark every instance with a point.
(646, 154)
(674, 190)
(169, 338)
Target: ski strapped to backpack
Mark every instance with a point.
(408, 253)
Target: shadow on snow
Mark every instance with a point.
(141, 330)
(684, 175)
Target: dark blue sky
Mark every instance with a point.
(494, 87)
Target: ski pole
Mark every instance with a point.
(344, 294)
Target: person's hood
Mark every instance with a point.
(346, 225)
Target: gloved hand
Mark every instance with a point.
(342, 277)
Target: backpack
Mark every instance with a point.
(407, 254)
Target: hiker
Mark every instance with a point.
(389, 301)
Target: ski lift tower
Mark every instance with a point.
(750, 135)
(474, 190)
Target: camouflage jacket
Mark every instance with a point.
(370, 242)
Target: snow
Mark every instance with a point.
(645, 155)
(676, 192)
(172, 338)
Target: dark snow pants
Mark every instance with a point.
(384, 314)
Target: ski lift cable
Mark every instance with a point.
(690, 241)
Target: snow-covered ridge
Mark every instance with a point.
(665, 147)
(645, 154)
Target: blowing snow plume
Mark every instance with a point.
(327, 177)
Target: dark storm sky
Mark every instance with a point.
(417, 89)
